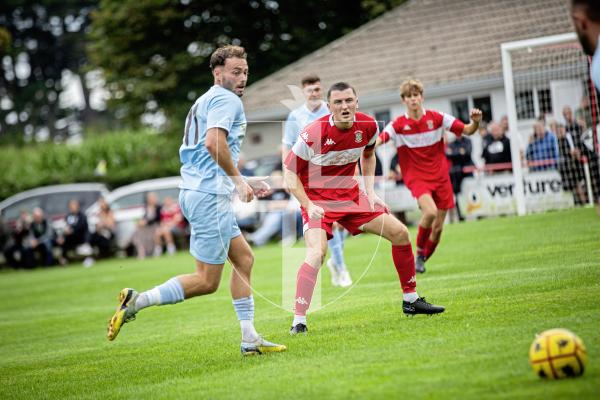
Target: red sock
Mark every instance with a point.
(305, 286)
(429, 248)
(422, 238)
(404, 261)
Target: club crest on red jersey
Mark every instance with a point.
(358, 136)
(429, 124)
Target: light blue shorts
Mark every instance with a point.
(212, 222)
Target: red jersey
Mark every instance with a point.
(325, 157)
(171, 214)
(420, 145)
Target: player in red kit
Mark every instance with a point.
(418, 136)
(320, 174)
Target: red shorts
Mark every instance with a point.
(349, 214)
(441, 192)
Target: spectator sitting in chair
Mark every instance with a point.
(15, 249)
(171, 223)
(104, 233)
(40, 239)
(75, 233)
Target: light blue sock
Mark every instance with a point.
(244, 308)
(170, 292)
(336, 244)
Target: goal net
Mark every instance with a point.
(552, 110)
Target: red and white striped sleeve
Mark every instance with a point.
(388, 132)
(297, 159)
(452, 124)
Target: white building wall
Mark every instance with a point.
(269, 142)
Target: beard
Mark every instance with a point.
(586, 44)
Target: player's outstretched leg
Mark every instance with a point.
(403, 258)
(130, 302)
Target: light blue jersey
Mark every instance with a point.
(217, 108)
(296, 121)
(595, 68)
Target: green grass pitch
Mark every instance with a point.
(502, 280)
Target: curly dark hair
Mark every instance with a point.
(221, 54)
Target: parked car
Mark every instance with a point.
(53, 200)
(128, 204)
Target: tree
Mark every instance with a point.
(48, 39)
(154, 54)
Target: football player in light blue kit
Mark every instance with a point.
(214, 130)
(297, 119)
(586, 18)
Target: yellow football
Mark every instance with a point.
(557, 353)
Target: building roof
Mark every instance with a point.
(441, 42)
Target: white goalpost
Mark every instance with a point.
(552, 113)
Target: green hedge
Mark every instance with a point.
(129, 156)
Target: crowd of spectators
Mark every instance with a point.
(31, 240)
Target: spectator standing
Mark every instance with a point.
(542, 151)
(497, 149)
(458, 153)
(569, 166)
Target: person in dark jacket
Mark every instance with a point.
(15, 249)
(75, 233)
(39, 241)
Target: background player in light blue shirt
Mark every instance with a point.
(297, 119)
(214, 129)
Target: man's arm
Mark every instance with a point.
(290, 134)
(471, 128)
(216, 144)
(293, 184)
(367, 164)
